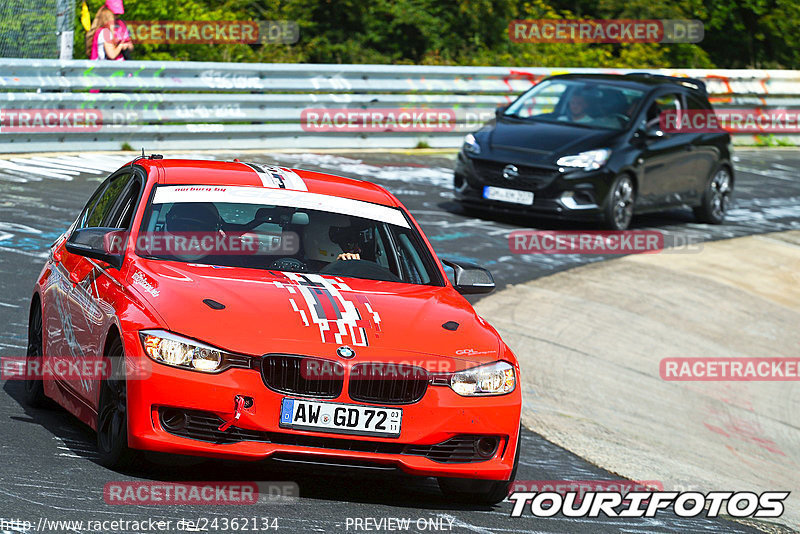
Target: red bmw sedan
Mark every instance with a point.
(256, 312)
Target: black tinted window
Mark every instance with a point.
(122, 213)
(665, 103)
(696, 102)
(101, 205)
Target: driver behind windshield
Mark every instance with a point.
(330, 237)
(596, 108)
(348, 239)
(577, 108)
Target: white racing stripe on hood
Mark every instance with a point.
(279, 197)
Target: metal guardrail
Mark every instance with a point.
(186, 105)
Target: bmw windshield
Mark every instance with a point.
(283, 230)
(583, 103)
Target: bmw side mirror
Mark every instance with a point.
(104, 244)
(470, 279)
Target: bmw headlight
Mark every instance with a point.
(471, 145)
(496, 378)
(178, 351)
(588, 161)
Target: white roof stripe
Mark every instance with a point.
(273, 196)
(291, 180)
(278, 177)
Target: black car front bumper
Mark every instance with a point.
(558, 192)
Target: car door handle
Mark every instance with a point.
(690, 148)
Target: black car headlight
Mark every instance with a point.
(588, 161)
(471, 145)
(178, 351)
(496, 378)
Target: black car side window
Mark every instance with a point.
(697, 102)
(664, 103)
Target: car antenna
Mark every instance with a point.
(137, 158)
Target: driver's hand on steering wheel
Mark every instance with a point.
(349, 256)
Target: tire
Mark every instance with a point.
(112, 418)
(716, 198)
(481, 492)
(34, 389)
(618, 210)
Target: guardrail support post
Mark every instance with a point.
(65, 16)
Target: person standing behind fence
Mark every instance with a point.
(121, 32)
(101, 39)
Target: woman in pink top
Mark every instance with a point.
(101, 41)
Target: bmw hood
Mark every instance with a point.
(283, 312)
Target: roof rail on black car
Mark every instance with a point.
(692, 83)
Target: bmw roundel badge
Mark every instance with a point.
(345, 352)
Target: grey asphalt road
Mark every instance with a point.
(48, 469)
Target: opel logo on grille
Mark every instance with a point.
(345, 352)
(510, 172)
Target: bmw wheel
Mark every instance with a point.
(619, 204)
(34, 388)
(716, 199)
(112, 417)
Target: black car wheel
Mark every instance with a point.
(618, 210)
(716, 199)
(482, 492)
(112, 418)
(34, 388)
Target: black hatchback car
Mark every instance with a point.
(592, 147)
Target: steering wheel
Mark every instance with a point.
(289, 264)
(622, 118)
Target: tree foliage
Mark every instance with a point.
(738, 33)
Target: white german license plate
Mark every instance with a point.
(340, 418)
(508, 195)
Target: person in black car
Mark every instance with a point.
(577, 109)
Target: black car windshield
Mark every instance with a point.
(283, 230)
(582, 102)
